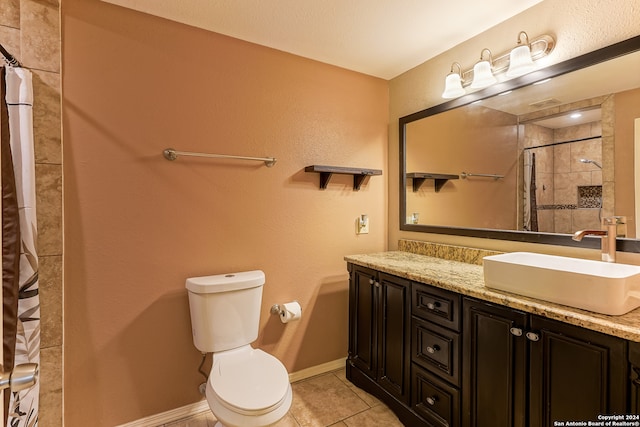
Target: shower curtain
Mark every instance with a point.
(23, 405)
(530, 208)
(526, 204)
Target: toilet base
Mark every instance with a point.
(249, 365)
(237, 420)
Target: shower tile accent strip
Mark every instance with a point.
(468, 279)
(555, 207)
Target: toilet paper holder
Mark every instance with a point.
(276, 309)
(287, 311)
(279, 309)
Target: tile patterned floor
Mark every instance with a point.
(321, 401)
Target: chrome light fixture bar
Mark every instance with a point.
(539, 47)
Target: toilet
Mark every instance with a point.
(246, 387)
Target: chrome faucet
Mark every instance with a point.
(608, 234)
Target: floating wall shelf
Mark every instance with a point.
(359, 174)
(420, 177)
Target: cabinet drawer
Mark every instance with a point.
(436, 305)
(434, 400)
(437, 349)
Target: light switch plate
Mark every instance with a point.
(362, 224)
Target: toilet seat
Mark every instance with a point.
(248, 381)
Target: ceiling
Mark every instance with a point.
(382, 38)
(607, 77)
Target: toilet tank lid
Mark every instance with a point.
(225, 282)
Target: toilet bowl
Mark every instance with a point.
(246, 387)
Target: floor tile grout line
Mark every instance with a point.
(369, 407)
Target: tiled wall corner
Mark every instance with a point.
(30, 30)
(50, 387)
(46, 117)
(10, 13)
(40, 35)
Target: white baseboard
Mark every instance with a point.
(202, 406)
(169, 416)
(317, 370)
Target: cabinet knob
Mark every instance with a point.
(433, 349)
(533, 336)
(371, 281)
(433, 305)
(377, 284)
(432, 400)
(516, 331)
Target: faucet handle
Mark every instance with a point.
(619, 221)
(616, 219)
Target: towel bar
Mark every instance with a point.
(464, 175)
(172, 154)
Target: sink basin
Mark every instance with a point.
(602, 287)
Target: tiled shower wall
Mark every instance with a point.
(30, 30)
(560, 174)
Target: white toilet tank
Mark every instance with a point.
(225, 309)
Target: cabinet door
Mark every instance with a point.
(494, 366)
(363, 342)
(577, 374)
(395, 345)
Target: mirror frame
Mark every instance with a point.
(592, 58)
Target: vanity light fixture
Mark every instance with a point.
(482, 74)
(514, 63)
(520, 61)
(453, 84)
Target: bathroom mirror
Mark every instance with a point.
(503, 163)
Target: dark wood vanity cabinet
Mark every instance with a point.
(439, 359)
(379, 320)
(524, 370)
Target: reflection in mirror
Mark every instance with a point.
(486, 144)
(533, 164)
(562, 173)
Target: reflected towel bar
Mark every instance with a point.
(464, 175)
(172, 154)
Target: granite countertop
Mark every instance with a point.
(468, 279)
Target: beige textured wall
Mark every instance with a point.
(30, 30)
(579, 26)
(137, 225)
